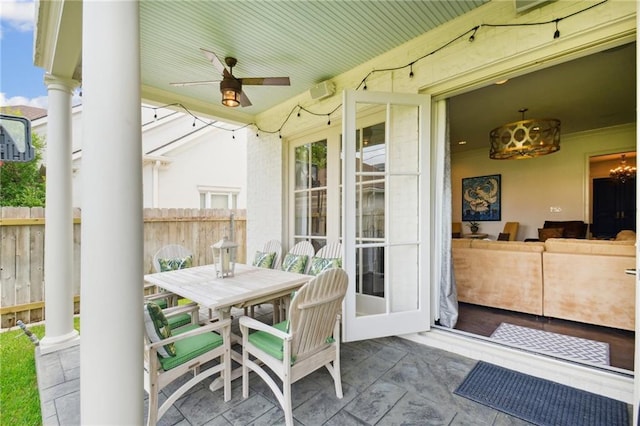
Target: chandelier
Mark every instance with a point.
(525, 138)
(623, 172)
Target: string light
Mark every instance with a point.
(473, 36)
(363, 82)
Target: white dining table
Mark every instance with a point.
(250, 285)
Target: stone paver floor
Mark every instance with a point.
(386, 381)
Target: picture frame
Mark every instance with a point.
(482, 198)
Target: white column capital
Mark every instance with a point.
(55, 82)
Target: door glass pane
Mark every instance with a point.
(302, 167)
(319, 212)
(370, 271)
(404, 208)
(370, 209)
(403, 149)
(403, 278)
(310, 190)
(302, 213)
(373, 149)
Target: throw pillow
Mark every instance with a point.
(295, 263)
(319, 264)
(545, 233)
(175, 263)
(264, 260)
(157, 328)
(503, 236)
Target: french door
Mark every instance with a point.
(386, 214)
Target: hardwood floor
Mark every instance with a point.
(483, 321)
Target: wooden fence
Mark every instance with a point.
(22, 232)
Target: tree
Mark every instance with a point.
(23, 184)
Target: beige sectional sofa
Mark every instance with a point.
(573, 279)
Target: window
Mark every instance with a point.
(218, 198)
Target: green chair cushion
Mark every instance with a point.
(175, 263)
(191, 347)
(320, 264)
(162, 303)
(268, 342)
(264, 260)
(295, 263)
(157, 328)
(179, 320)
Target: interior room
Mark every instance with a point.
(593, 97)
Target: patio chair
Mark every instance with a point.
(169, 258)
(170, 354)
(329, 256)
(298, 259)
(295, 348)
(270, 256)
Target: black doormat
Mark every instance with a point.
(540, 401)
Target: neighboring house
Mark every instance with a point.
(324, 204)
(185, 165)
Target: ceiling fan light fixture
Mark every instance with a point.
(231, 90)
(525, 138)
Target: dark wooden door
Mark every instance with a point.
(614, 207)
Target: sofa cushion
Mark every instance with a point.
(461, 243)
(546, 233)
(598, 247)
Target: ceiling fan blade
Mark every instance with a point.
(266, 81)
(244, 100)
(194, 83)
(215, 61)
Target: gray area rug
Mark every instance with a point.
(574, 348)
(540, 401)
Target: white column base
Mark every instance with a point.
(52, 344)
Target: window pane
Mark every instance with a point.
(219, 201)
(319, 164)
(203, 200)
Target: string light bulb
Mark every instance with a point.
(557, 33)
(473, 35)
(411, 70)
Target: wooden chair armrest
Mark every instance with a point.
(176, 310)
(248, 323)
(214, 326)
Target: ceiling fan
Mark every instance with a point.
(230, 85)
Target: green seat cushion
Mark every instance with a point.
(175, 263)
(264, 260)
(179, 320)
(268, 342)
(157, 328)
(191, 347)
(162, 303)
(319, 264)
(295, 263)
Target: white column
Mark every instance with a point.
(58, 242)
(111, 358)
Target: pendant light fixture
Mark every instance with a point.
(623, 172)
(525, 138)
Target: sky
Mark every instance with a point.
(21, 82)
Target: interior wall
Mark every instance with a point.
(532, 188)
